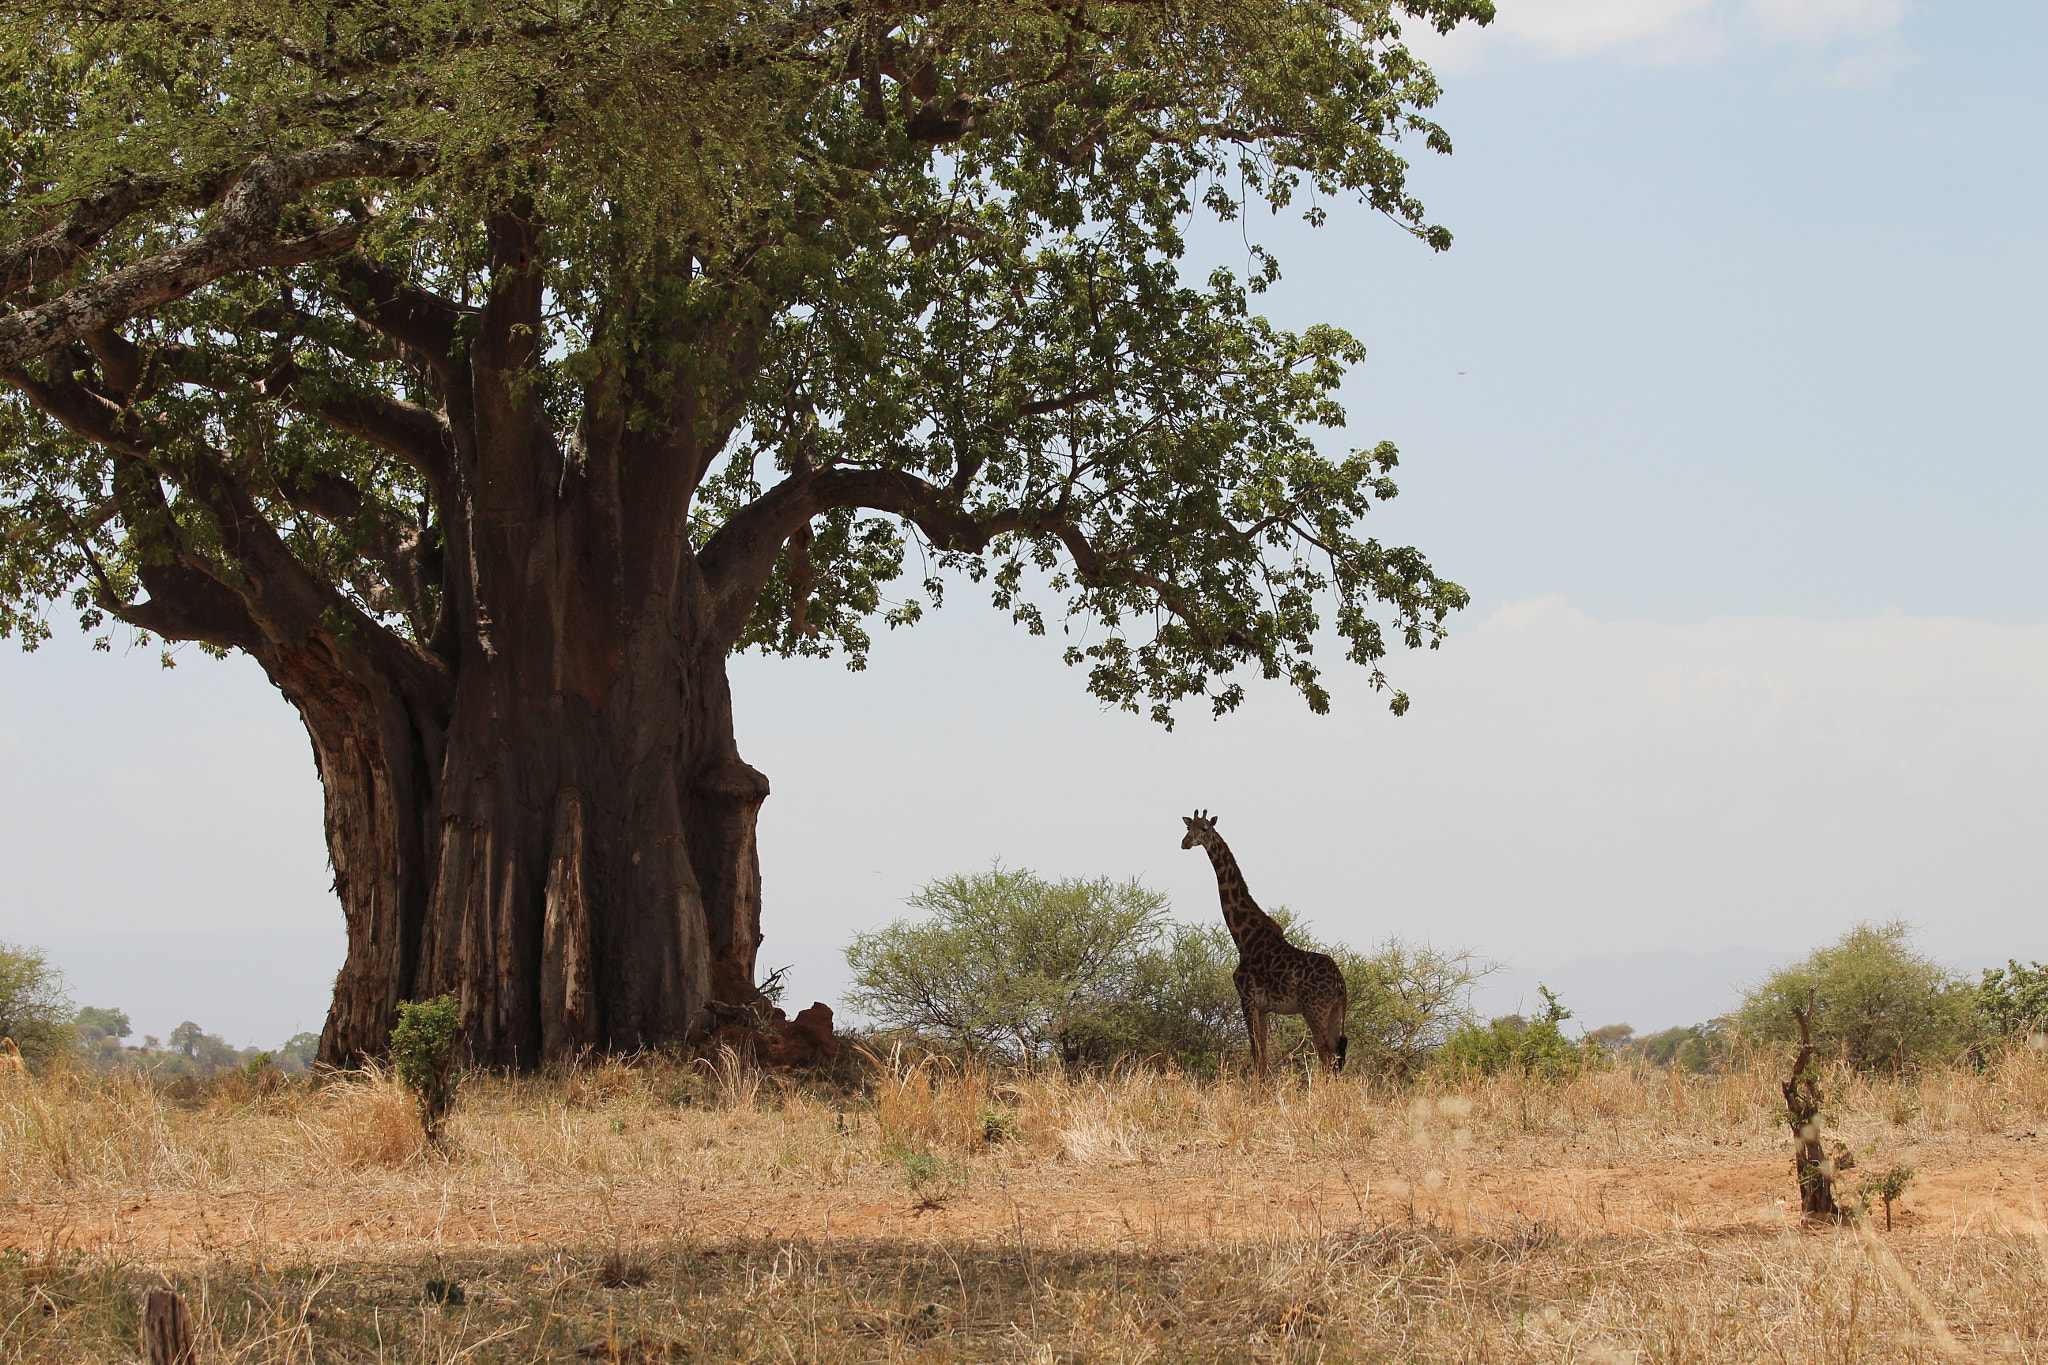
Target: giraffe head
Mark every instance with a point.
(1201, 829)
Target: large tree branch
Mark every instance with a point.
(738, 560)
(185, 601)
(54, 252)
(76, 408)
(296, 603)
(406, 313)
(337, 500)
(415, 435)
(277, 597)
(243, 236)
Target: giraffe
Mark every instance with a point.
(1273, 976)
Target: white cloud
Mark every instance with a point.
(1836, 41)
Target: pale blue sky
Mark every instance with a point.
(1745, 470)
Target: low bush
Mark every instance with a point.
(1015, 966)
(2013, 1001)
(34, 1009)
(423, 1051)
(1515, 1043)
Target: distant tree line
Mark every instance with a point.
(1012, 965)
(37, 1012)
(1879, 1005)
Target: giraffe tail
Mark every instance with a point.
(1343, 1046)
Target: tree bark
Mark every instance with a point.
(167, 1329)
(578, 868)
(1810, 1163)
(565, 839)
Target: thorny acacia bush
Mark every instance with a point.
(1878, 1004)
(2013, 1000)
(1011, 964)
(1512, 1042)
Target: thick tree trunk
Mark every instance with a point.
(576, 863)
(562, 834)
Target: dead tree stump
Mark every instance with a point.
(1802, 1110)
(167, 1330)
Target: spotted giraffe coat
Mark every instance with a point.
(1273, 976)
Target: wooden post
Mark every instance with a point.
(167, 1330)
(1802, 1111)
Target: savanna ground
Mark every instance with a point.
(919, 1212)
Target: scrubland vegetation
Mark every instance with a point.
(1053, 1156)
(912, 1208)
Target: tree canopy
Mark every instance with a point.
(902, 274)
(35, 1010)
(1876, 1001)
(491, 371)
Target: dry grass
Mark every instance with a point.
(931, 1212)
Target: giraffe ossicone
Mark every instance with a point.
(1273, 976)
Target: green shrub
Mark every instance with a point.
(1087, 972)
(1878, 1005)
(1693, 1047)
(1009, 962)
(423, 1049)
(1405, 1000)
(34, 1010)
(2013, 1000)
(1513, 1042)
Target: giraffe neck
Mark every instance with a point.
(1241, 914)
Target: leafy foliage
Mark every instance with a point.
(1514, 1043)
(423, 1049)
(1691, 1047)
(902, 280)
(1406, 1000)
(1878, 1005)
(34, 1009)
(1009, 961)
(1886, 1187)
(1093, 971)
(2013, 1000)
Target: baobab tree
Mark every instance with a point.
(491, 372)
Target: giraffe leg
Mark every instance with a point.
(1333, 1044)
(1255, 1025)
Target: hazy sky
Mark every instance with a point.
(1727, 406)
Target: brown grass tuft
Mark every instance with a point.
(365, 1121)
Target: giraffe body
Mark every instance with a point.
(1273, 976)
